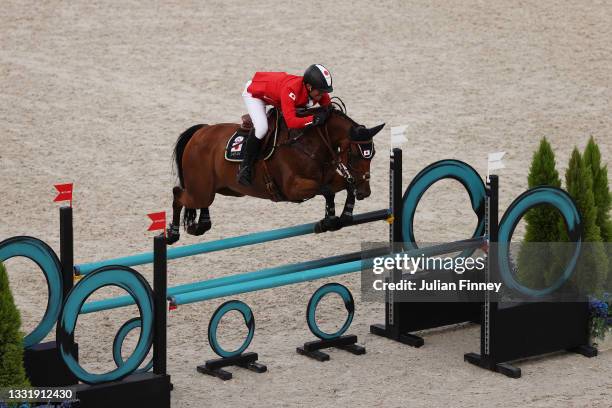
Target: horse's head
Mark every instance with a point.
(355, 149)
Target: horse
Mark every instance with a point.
(321, 160)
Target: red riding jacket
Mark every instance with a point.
(286, 92)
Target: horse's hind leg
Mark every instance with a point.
(173, 232)
(203, 225)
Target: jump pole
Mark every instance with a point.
(113, 303)
(227, 243)
(318, 273)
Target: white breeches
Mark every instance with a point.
(257, 112)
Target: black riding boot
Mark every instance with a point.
(251, 151)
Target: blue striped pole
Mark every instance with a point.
(227, 243)
(317, 273)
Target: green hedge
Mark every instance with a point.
(12, 372)
(586, 180)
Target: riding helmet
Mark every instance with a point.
(319, 77)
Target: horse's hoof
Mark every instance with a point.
(191, 229)
(346, 220)
(171, 237)
(335, 224)
(328, 224)
(199, 228)
(203, 227)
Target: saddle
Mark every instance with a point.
(233, 149)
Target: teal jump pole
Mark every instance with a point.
(267, 283)
(227, 243)
(317, 273)
(112, 303)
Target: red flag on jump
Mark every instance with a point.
(64, 192)
(159, 221)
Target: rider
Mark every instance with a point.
(286, 92)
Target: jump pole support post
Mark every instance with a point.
(395, 234)
(160, 284)
(67, 259)
(392, 308)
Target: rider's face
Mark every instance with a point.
(315, 94)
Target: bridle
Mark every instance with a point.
(342, 159)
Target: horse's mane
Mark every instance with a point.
(343, 114)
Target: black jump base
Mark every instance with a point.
(45, 368)
(136, 390)
(313, 349)
(244, 360)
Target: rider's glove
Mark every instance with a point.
(320, 117)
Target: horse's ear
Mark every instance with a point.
(373, 131)
(362, 133)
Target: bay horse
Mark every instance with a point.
(320, 160)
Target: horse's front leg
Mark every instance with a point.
(330, 222)
(349, 205)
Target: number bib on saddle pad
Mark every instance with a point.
(234, 150)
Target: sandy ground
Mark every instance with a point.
(96, 93)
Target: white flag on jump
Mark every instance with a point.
(398, 134)
(495, 162)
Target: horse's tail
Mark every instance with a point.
(179, 149)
